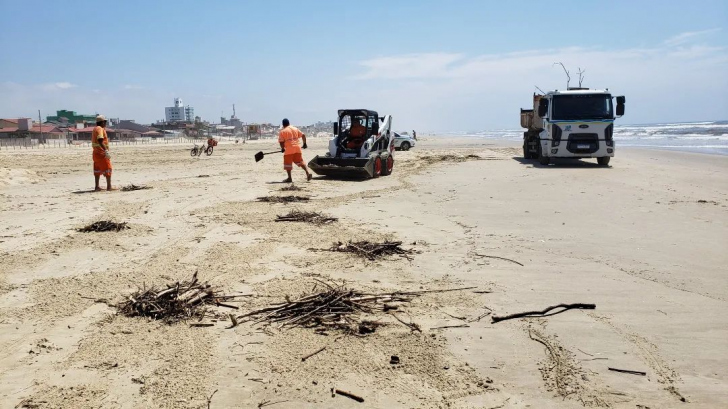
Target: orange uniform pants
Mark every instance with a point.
(102, 164)
(289, 160)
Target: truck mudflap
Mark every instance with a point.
(346, 168)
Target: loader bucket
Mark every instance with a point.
(344, 168)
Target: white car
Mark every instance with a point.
(403, 142)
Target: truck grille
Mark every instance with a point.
(583, 143)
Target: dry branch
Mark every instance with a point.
(291, 188)
(308, 217)
(313, 353)
(283, 199)
(103, 225)
(544, 312)
(628, 371)
(349, 395)
(499, 258)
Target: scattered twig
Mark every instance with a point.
(201, 324)
(452, 326)
(502, 405)
(269, 403)
(481, 316)
(411, 325)
(544, 312)
(209, 400)
(349, 395)
(585, 353)
(233, 322)
(313, 353)
(499, 258)
(628, 371)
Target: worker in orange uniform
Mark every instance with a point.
(288, 138)
(101, 155)
(356, 134)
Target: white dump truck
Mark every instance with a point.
(576, 123)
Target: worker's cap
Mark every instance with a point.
(285, 122)
(100, 118)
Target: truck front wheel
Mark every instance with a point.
(603, 161)
(543, 160)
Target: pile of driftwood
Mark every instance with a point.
(174, 302)
(283, 199)
(134, 187)
(308, 217)
(103, 225)
(291, 188)
(372, 251)
(336, 307)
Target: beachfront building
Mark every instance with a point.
(71, 117)
(179, 112)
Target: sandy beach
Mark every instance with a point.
(644, 240)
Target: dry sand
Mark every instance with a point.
(645, 240)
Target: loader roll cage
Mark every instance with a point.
(348, 143)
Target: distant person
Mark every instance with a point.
(288, 138)
(414, 135)
(101, 155)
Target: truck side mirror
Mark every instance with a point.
(543, 107)
(336, 128)
(620, 105)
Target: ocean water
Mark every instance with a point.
(703, 137)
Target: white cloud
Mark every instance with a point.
(132, 87)
(437, 91)
(688, 36)
(55, 86)
(409, 66)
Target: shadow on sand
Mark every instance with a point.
(561, 163)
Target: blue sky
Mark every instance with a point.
(433, 65)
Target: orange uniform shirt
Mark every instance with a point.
(99, 140)
(289, 136)
(357, 130)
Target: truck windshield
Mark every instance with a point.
(566, 107)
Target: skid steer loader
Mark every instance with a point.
(362, 146)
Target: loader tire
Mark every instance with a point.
(388, 166)
(378, 166)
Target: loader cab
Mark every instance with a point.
(353, 130)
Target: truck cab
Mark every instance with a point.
(576, 123)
